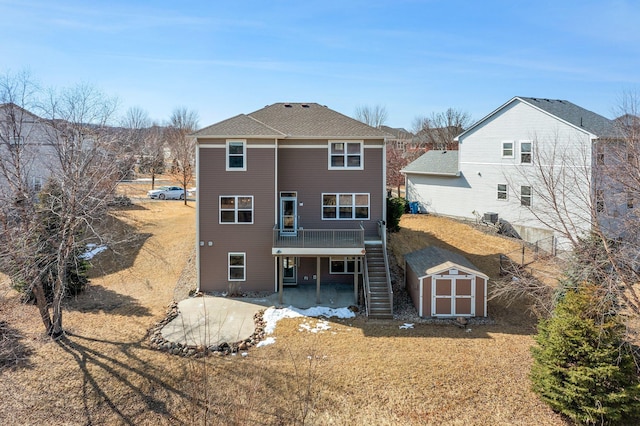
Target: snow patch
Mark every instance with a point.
(406, 325)
(273, 315)
(92, 251)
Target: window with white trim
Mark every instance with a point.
(600, 201)
(236, 209)
(345, 155)
(16, 141)
(345, 206)
(502, 191)
(237, 266)
(507, 149)
(526, 151)
(525, 196)
(236, 155)
(344, 265)
(36, 183)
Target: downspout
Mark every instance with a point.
(276, 201)
(197, 215)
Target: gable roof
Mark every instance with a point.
(435, 162)
(292, 120)
(432, 259)
(578, 117)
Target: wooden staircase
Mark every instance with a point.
(379, 298)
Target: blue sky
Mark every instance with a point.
(415, 57)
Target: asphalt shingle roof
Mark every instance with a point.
(435, 162)
(304, 120)
(434, 259)
(578, 116)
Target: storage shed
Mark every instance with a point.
(445, 284)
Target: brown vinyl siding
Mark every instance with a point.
(253, 239)
(305, 170)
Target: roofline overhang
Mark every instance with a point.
(289, 137)
(486, 118)
(449, 265)
(456, 174)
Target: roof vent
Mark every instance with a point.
(305, 106)
(287, 105)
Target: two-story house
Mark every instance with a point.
(530, 162)
(292, 194)
(27, 150)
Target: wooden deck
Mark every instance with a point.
(319, 238)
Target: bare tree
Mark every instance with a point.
(586, 192)
(48, 232)
(396, 161)
(374, 116)
(152, 160)
(182, 124)
(439, 130)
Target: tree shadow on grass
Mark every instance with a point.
(124, 382)
(14, 354)
(96, 298)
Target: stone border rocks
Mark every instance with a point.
(158, 342)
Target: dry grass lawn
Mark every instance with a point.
(357, 372)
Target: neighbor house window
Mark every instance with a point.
(344, 265)
(16, 140)
(236, 155)
(237, 267)
(600, 154)
(525, 196)
(345, 206)
(600, 200)
(36, 184)
(236, 209)
(345, 155)
(507, 149)
(525, 152)
(502, 191)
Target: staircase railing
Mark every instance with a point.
(365, 278)
(382, 232)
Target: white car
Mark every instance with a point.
(167, 193)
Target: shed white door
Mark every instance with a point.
(453, 295)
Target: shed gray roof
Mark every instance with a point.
(432, 259)
(579, 117)
(292, 120)
(435, 162)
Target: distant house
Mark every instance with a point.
(445, 284)
(502, 158)
(26, 147)
(292, 194)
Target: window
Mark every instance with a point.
(345, 155)
(345, 206)
(16, 140)
(36, 184)
(600, 200)
(507, 149)
(236, 209)
(600, 154)
(525, 152)
(344, 265)
(502, 191)
(236, 155)
(237, 266)
(525, 196)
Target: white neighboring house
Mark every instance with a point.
(26, 147)
(501, 161)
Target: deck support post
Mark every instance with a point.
(318, 280)
(356, 275)
(280, 280)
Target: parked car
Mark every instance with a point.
(167, 193)
(191, 192)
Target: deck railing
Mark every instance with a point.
(319, 238)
